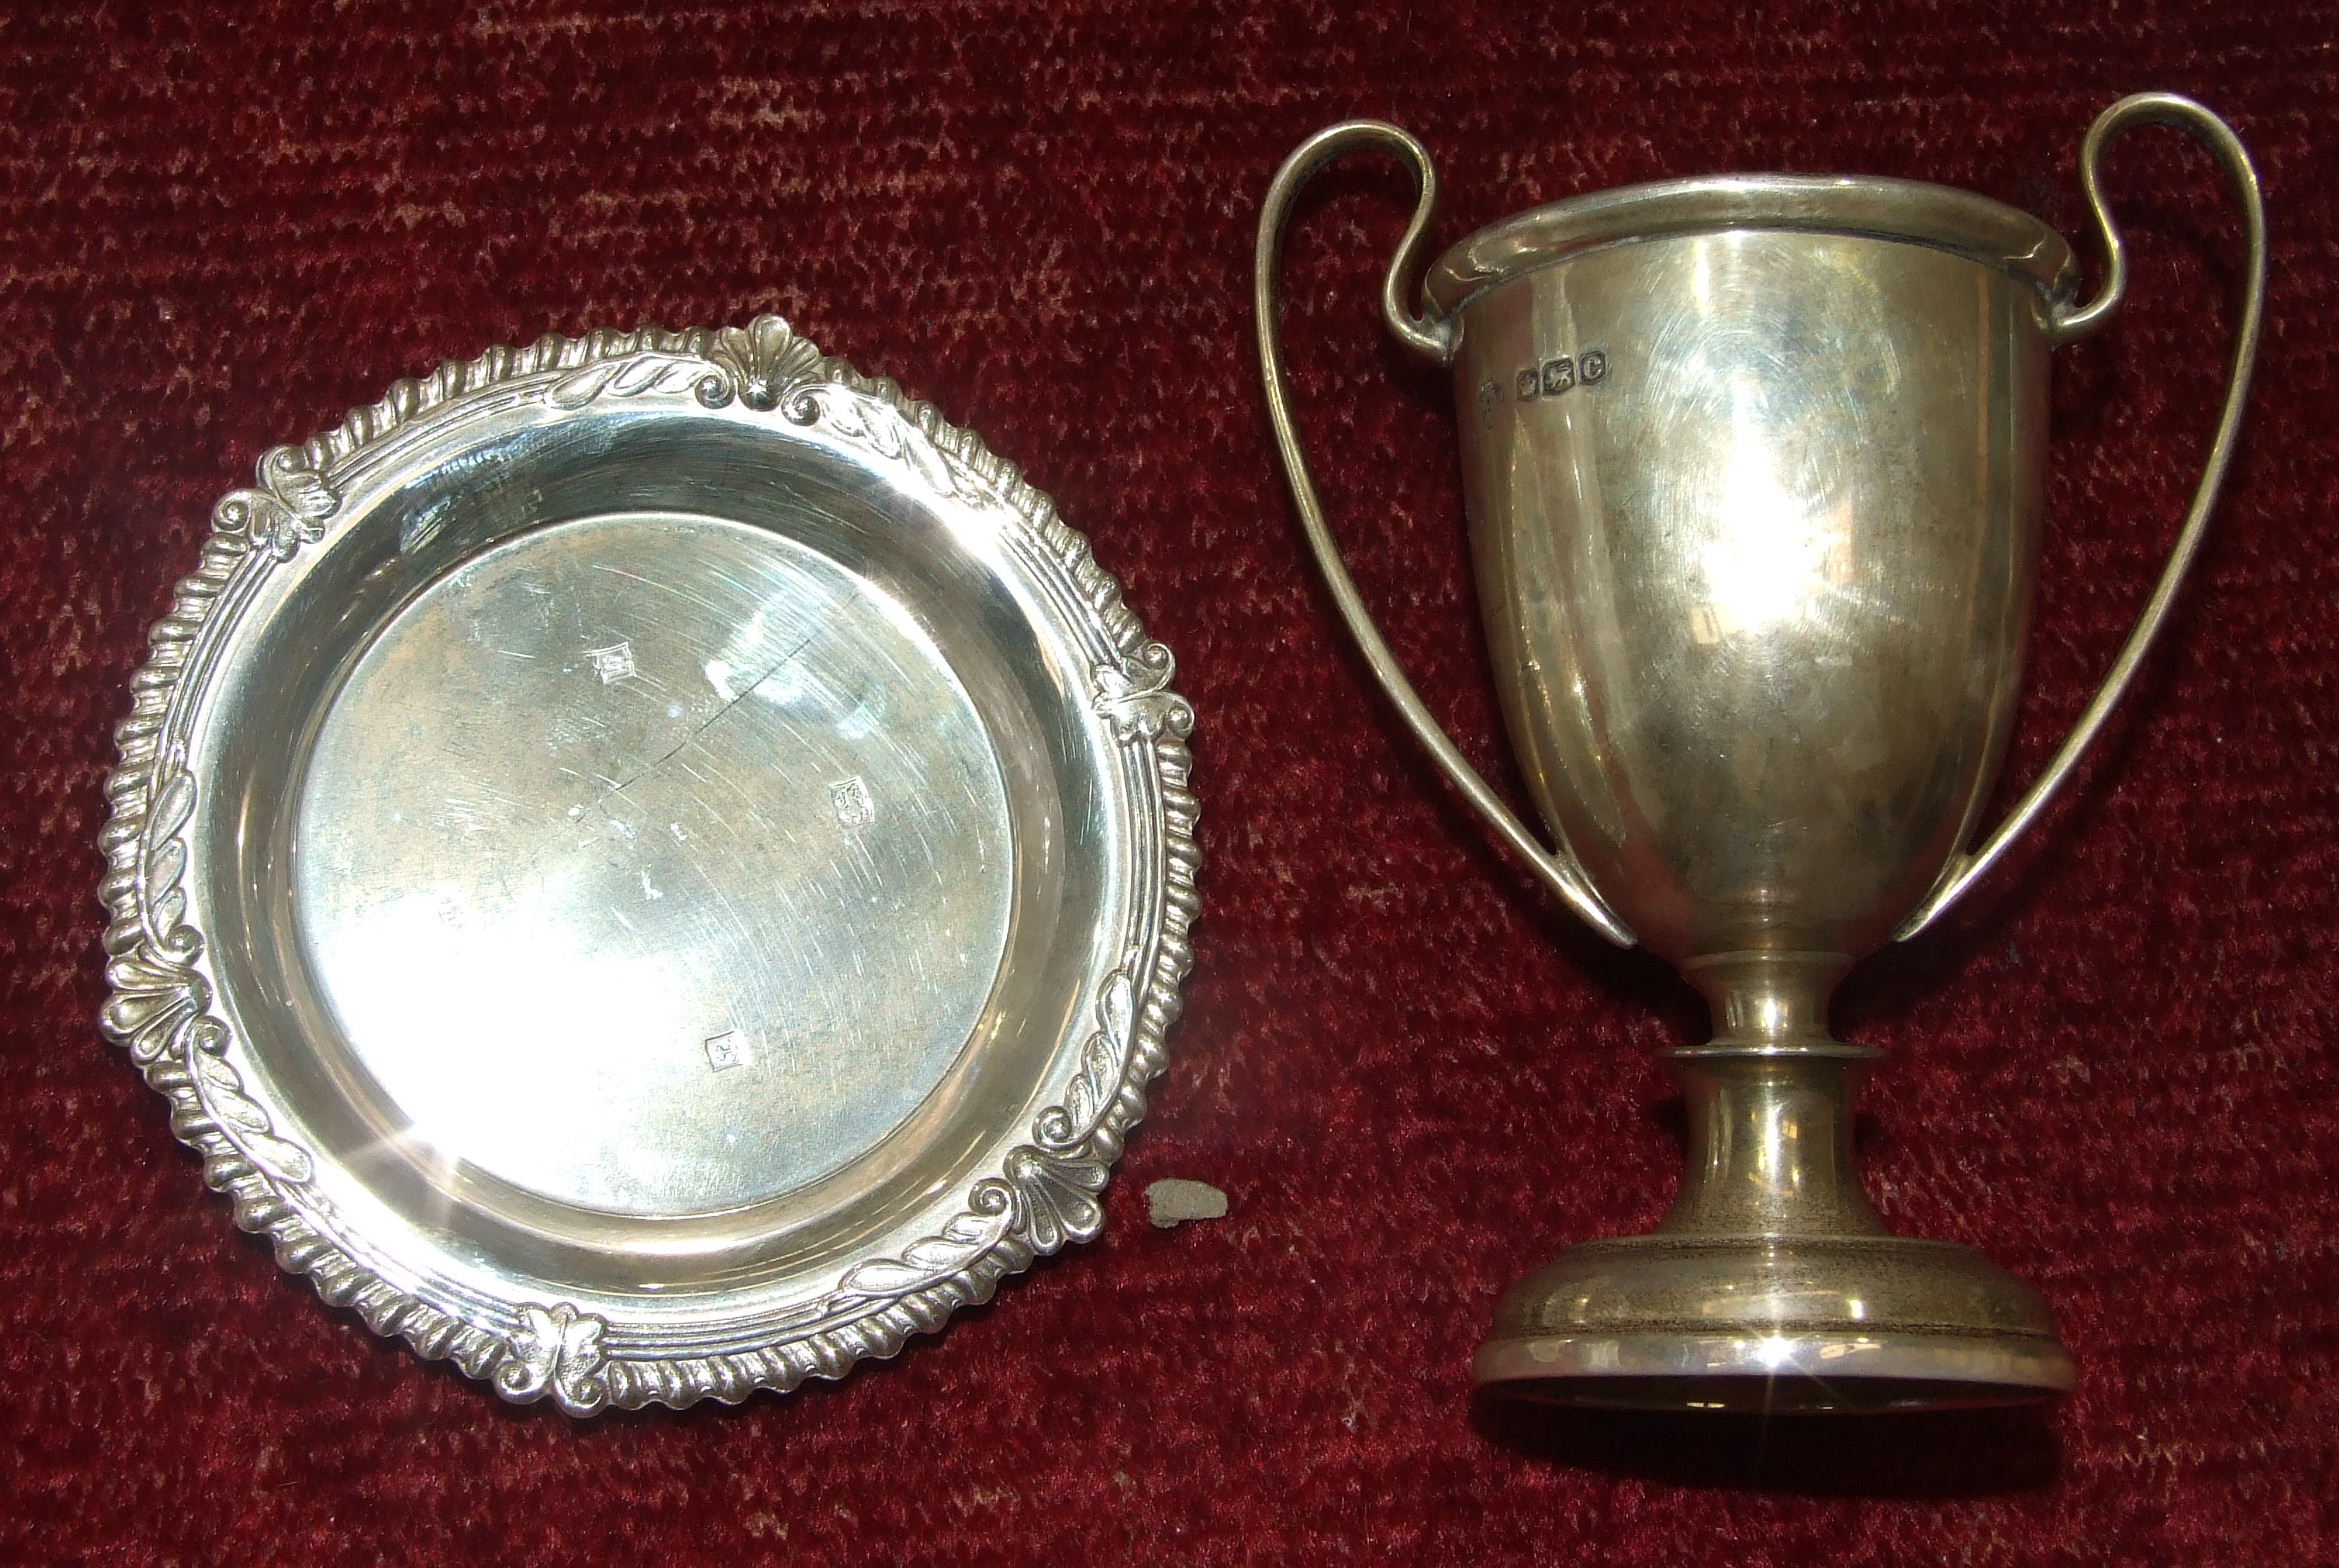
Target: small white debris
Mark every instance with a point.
(1174, 1201)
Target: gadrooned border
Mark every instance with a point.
(1044, 1193)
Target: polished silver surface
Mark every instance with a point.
(1753, 467)
(725, 806)
(1756, 685)
(651, 866)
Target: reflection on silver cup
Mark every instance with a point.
(1753, 468)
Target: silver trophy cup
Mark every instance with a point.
(1753, 470)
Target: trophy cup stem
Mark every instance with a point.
(1772, 1283)
(1770, 1104)
(1770, 1145)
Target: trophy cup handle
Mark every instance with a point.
(1433, 340)
(2071, 322)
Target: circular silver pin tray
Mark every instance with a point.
(650, 866)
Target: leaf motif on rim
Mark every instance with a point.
(220, 1091)
(152, 1001)
(765, 358)
(1049, 1196)
(1134, 694)
(967, 1238)
(558, 1351)
(878, 425)
(1058, 1197)
(642, 373)
(158, 1009)
(300, 489)
(162, 861)
(286, 511)
(1104, 1061)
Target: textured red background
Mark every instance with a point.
(1413, 1076)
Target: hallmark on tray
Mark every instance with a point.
(728, 1050)
(852, 802)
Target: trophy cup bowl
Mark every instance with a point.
(1753, 469)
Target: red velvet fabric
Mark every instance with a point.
(219, 227)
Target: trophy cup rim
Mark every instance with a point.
(1914, 212)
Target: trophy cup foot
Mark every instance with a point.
(1776, 1323)
(1772, 1284)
